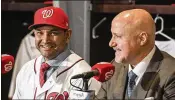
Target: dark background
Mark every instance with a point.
(14, 26)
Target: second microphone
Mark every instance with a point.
(101, 71)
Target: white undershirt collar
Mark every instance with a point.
(141, 67)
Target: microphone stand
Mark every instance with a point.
(83, 93)
(90, 93)
(85, 84)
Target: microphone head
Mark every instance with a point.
(106, 71)
(7, 63)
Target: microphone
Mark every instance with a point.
(7, 63)
(86, 75)
(102, 72)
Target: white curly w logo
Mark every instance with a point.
(47, 13)
(8, 66)
(109, 74)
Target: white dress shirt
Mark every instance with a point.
(141, 67)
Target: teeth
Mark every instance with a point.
(47, 46)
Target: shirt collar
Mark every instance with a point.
(141, 67)
(54, 63)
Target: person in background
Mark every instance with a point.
(142, 70)
(48, 76)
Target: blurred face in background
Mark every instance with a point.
(51, 41)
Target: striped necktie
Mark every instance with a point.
(131, 82)
(43, 69)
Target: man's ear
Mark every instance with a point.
(143, 37)
(68, 35)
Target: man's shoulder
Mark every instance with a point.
(81, 64)
(74, 56)
(167, 56)
(168, 60)
(30, 64)
(27, 69)
(32, 61)
(167, 65)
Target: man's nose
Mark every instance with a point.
(112, 43)
(45, 37)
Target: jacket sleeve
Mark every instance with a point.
(102, 94)
(169, 88)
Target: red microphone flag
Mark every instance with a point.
(7, 63)
(106, 71)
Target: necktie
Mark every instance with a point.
(131, 82)
(43, 69)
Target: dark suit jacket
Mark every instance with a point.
(158, 81)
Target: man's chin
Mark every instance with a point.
(47, 56)
(118, 60)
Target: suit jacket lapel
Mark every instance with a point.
(143, 86)
(118, 80)
(124, 81)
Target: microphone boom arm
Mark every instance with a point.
(86, 75)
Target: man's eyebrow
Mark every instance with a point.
(47, 30)
(37, 29)
(54, 29)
